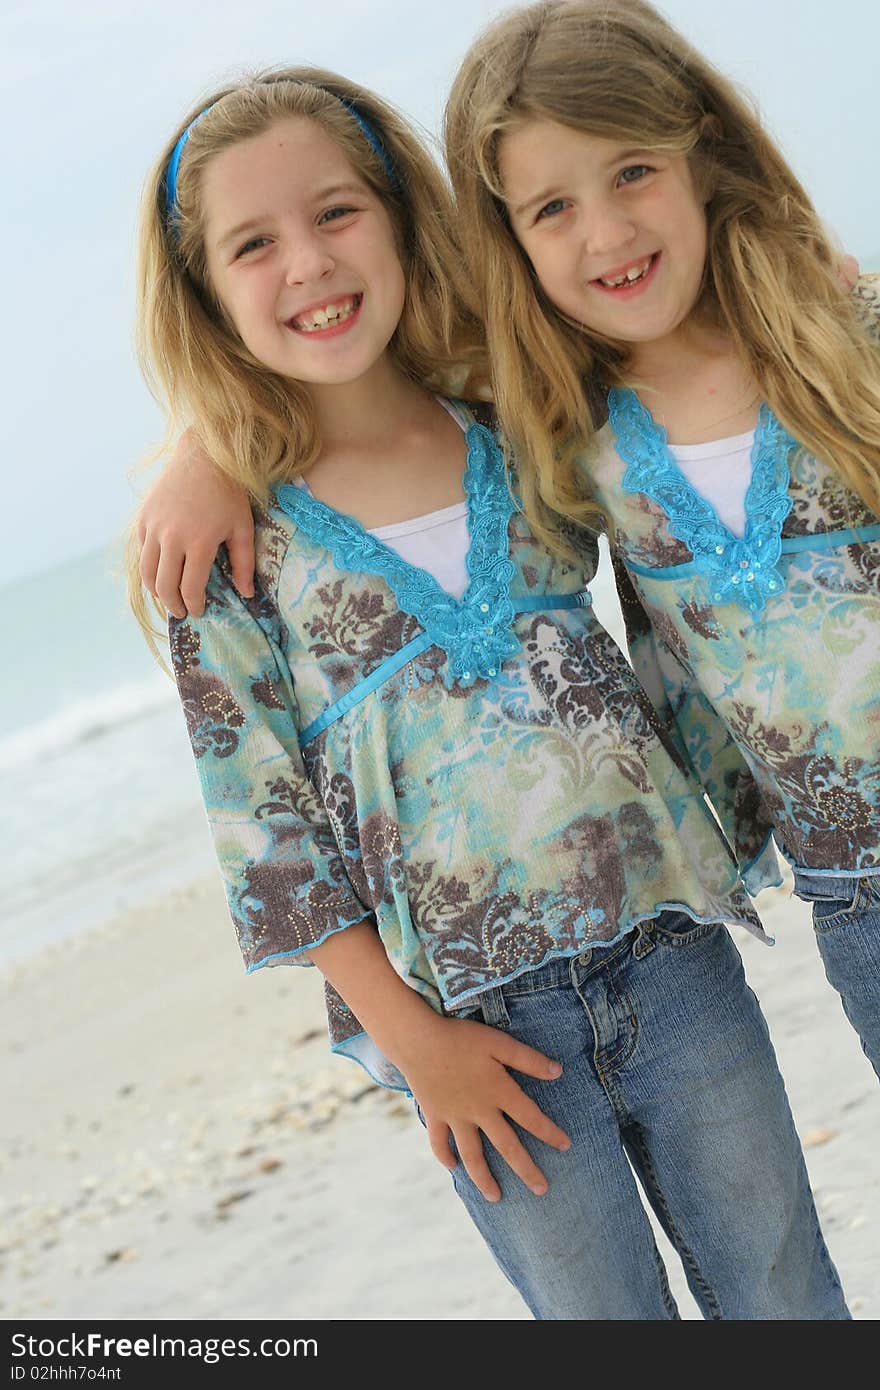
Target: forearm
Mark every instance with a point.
(394, 1015)
(459, 1070)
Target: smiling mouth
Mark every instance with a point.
(328, 316)
(636, 273)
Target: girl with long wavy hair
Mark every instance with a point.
(746, 550)
(427, 769)
(674, 356)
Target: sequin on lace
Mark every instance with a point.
(738, 569)
(476, 631)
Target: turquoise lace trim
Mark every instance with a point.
(476, 631)
(530, 603)
(739, 569)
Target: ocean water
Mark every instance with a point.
(100, 809)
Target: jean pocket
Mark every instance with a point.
(829, 913)
(678, 929)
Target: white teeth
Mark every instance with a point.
(629, 277)
(331, 313)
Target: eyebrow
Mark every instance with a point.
(331, 191)
(530, 202)
(551, 192)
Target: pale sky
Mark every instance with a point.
(90, 91)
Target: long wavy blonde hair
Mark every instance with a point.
(617, 69)
(259, 427)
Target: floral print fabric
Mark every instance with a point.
(484, 826)
(779, 709)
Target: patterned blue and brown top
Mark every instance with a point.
(766, 646)
(483, 778)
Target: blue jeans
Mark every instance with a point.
(666, 1059)
(846, 916)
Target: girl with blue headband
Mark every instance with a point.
(427, 769)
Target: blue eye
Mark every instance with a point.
(552, 208)
(255, 244)
(632, 173)
(334, 214)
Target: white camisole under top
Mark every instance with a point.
(436, 542)
(720, 472)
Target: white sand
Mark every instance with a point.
(179, 1143)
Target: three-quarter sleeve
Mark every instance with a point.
(708, 745)
(285, 881)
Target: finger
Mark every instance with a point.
(526, 1059)
(148, 564)
(240, 549)
(194, 580)
(439, 1136)
(529, 1116)
(503, 1137)
(168, 578)
(470, 1151)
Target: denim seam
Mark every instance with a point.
(696, 933)
(538, 989)
(685, 1253)
(666, 1293)
(605, 956)
(606, 1080)
(625, 1051)
(845, 915)
(512, 991)
(644, 944)
(494, 1009)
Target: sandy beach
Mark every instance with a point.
(178, 1141)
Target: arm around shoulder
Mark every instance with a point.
(189, 512)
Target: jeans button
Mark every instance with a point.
(585, 957)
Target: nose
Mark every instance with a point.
(606, 229)
(307, 260)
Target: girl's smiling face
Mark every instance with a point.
(616, 235)
(302, 255)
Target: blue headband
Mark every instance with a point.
(174, 164)
(375, 144)
(366, 130)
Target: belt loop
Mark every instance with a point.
(494, 1008)
(644, 941)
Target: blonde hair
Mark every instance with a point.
(258, 426)
(617, 69)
